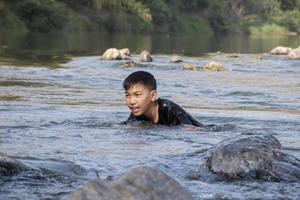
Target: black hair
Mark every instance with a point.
(141, 77)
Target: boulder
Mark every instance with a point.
(10, 166)
(111, 54)
(281, 50)
(145, 56)
(295, 54)
(137, 184)
(176, 59)
(125, 54)
(253, 157)
(115, 54)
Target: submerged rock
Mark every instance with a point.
(253, 156)
(115, 54)
(176, 59)
(137, 184)
(295, 54)
(10, 166)
(145, 56)
(233, 55)
(281, 50)
(129, 64)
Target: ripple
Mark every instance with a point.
(8, 83)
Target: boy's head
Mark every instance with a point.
(141, 77)
(140, 92)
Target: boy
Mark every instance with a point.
(141, 99)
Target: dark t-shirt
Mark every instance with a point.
(169, 114)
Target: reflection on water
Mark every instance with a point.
(94, 43)
(64, 122)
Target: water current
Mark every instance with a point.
(64, 122)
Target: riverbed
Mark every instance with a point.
(63, 120)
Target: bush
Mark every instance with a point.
(125, 23)
(269, 29)
(289, 20)
(80, 23)
(43, 15)
(11, 22)
(189, 24)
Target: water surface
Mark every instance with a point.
(63, 121)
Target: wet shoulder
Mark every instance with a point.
(166, 104)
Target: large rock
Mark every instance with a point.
(145, 56)
(10, 166)
(115, 54)
(295, 54)
(281, 50)
(141, 183)
(253, 156)
(125, 54)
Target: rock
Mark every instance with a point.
(214, 66)
(125, 54)
(129, 64)
(295, 54)
(188, 66)
(115, 54)
(176, 59)
(137, 184)
(111, 54)
(281, 50)
(253, 157)
(10, 166)
(145, 56)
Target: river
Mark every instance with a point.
(61, 108)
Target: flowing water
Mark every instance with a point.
(60, 114)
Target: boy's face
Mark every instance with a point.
(139, 99)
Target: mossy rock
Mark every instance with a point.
(212, 66)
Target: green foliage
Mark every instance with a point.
(130, 6)
(216, 14)
(9, 22)
(269, 29)
(121, 22)
(149, 16)
(289, 20)
(42, 15)
(265, 9)
(80, 23)
(245, 26)
(190, 24)
(289, 5)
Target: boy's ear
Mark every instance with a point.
(153, 95)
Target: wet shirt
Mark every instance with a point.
(169, 114)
